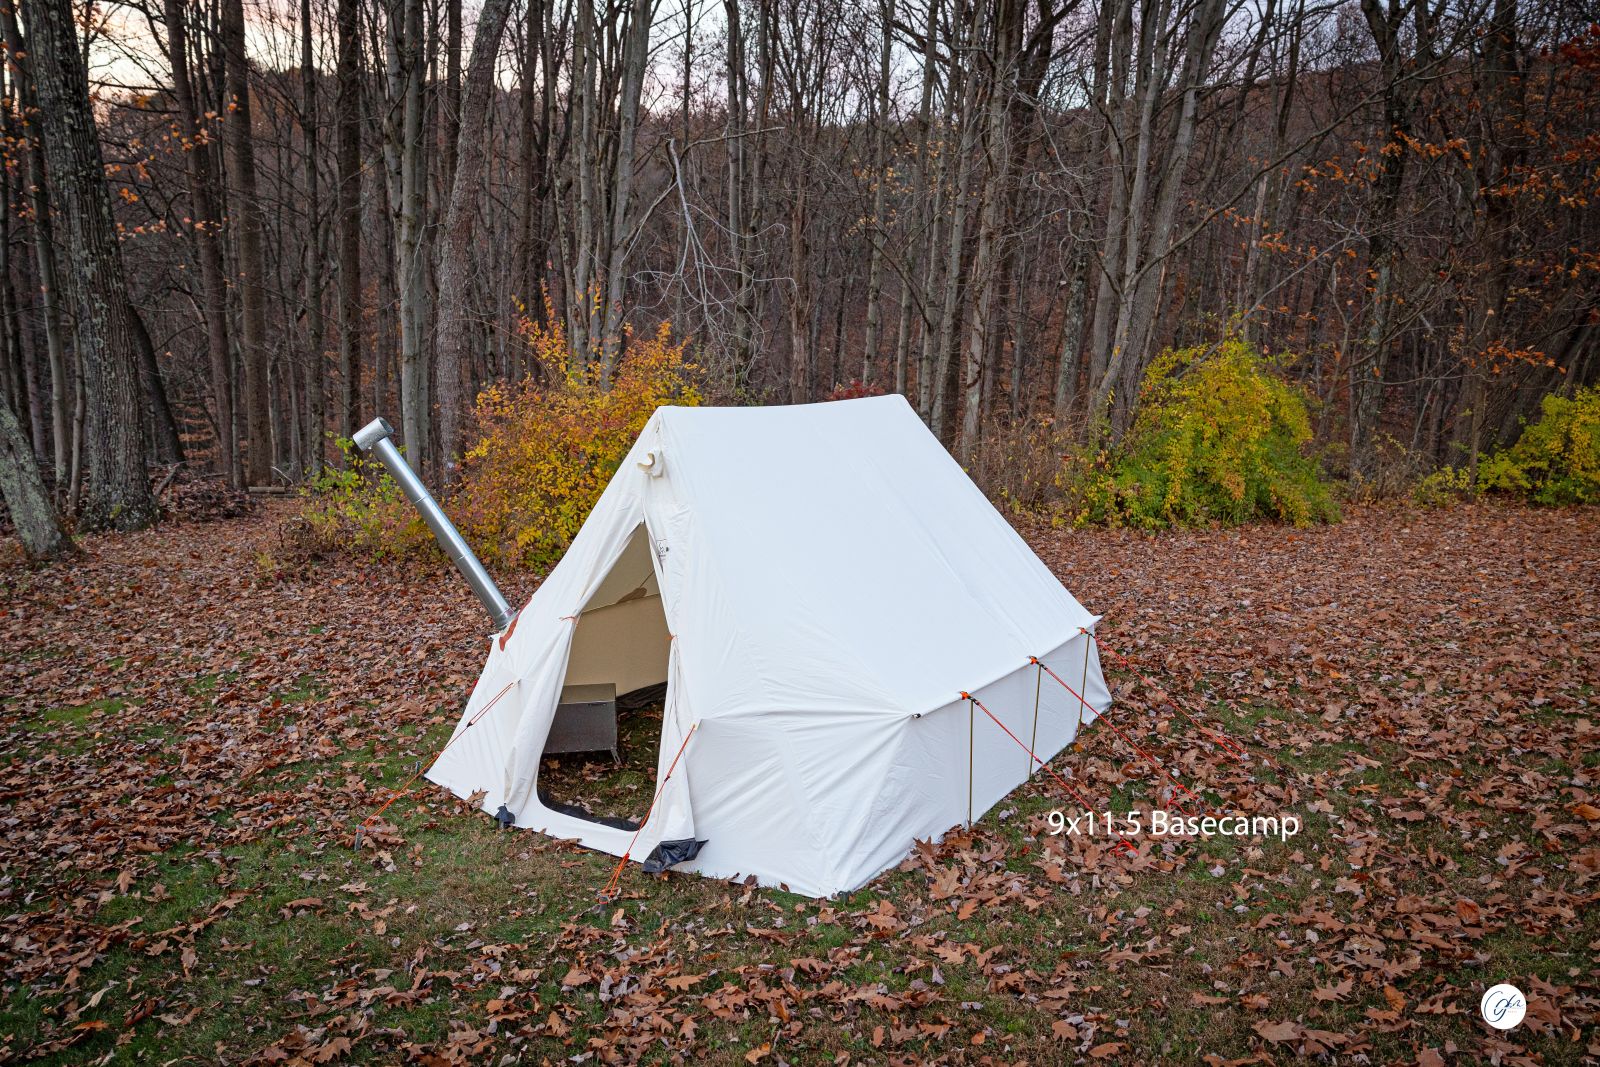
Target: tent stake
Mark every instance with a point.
(1122, 842)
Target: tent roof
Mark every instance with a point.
(851, 562)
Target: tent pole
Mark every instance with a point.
(970, 719)
(1033, 744)
(1083, 685)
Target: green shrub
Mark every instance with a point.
(1447, 485)
(1557, 459)
(1219, 437)
(359, 509)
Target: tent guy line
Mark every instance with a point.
(1222, 740)
(612, 886)
(816, 659)
(1122, 842)
(405, 788)
(1147, 757)
(613, 883)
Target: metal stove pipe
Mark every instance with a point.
(375, 438)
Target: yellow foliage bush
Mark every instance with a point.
(547, 447)
(1557, 459)
(1219, 437)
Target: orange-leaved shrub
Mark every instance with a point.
(543, 449)
(546, 447)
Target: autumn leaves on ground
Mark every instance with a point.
(191, 729)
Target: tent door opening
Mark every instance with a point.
(600, 757)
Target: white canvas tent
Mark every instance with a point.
(817, 585)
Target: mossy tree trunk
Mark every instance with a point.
(25, 495)
(118, 490)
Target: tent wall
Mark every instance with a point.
(924, 793)
(626, 644)
(752, 809)
(604, 586)
(780, 793)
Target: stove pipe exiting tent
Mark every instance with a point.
(375, 438)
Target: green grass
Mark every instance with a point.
(77, 714)
(257, 956)
(452, 869)
(306, 687)
(202, 684)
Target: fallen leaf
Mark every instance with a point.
(1281, 1031)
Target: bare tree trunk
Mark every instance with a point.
(44, 250)
(1016, 290)
(737, 89)
(455, 259)
(1146, 242)
(1113, 34)
(580, 259)
(80, 420)
(16, 369)
(966, 121)
(316, 358)
(1066, 391)
(252, 261)
(925, 186)
(635, 54)
(118, 494)
(800, 299)
(284, 387)
(208, 237)
(746, 166)
(452, 89)
(1386, 20)
(1005, 42)
(412, 214)
(16, 344)
(536, 109)
(1501, 101)
(163, 429)
(351, 329)
(1270, 191)
(880, 181)
(385, 350)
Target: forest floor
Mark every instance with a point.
(191, 729)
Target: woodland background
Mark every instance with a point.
(234, 231)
